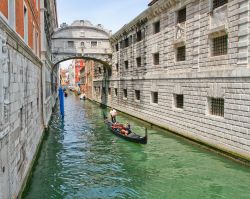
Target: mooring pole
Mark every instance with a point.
(61, 98)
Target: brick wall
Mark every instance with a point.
(4, 7)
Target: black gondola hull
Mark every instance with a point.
(132, 137)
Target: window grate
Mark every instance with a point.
(156, 58)
(179, 101)
(181, 53)
(125, 93)
(137, 95)
(220, 45)
(181, 16)
(155, 97)
(138, 61)
(139, 36)
(218, 3)
(217, 106)
(157, 27)
(117, 67)
(126, 64)
(116, 92)
(109, 90)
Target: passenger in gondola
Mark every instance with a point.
(128, 127)
(113, 114)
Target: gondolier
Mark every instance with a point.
(113, 114)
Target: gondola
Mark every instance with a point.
(130, 137)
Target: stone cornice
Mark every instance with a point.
(16, 42)
(155, 10)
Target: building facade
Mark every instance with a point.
(21, 92)
(184, 65)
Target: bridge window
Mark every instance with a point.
(82, 44)
(71, 44)
(82, 34)
(93, 44)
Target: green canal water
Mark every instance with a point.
(81, 159)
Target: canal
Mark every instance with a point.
(81, 159)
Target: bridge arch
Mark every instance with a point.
(81, 40)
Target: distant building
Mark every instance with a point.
(64, 77)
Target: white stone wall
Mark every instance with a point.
(21, 123)
(198, 78)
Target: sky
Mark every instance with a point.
(112, 14)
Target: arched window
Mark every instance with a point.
(82, 43)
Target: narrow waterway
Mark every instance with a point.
(81, 159)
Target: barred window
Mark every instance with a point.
(125, 93)
(126, 42)
(157, 27)
(216, 106)
(137, 95)
(109, 91)
(138, 61)
(117, 67)
(220, 45)
(117, 47)
(218, 3)
(179, 101)
(154, 96)
(100, 70)
(181, 53)
(156, 58)
(181, 15)
(139, 36)
(126, 64)
(116, 92)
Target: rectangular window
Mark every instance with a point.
(220, 45)
(138, 61)
(181, 17)
(71, 44)
(179, 101)
(157, 27)
(137, 95)
(181, 53)
(216, 106)
(117, 67)
(125, 93)
(218, 3)
(126, 64)
(116, 92)
(117, 47)
(139, 36)
(25, 12)
(93, 44)
(154, 97)
(126, 42)
(156, 58)
(109, 91)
